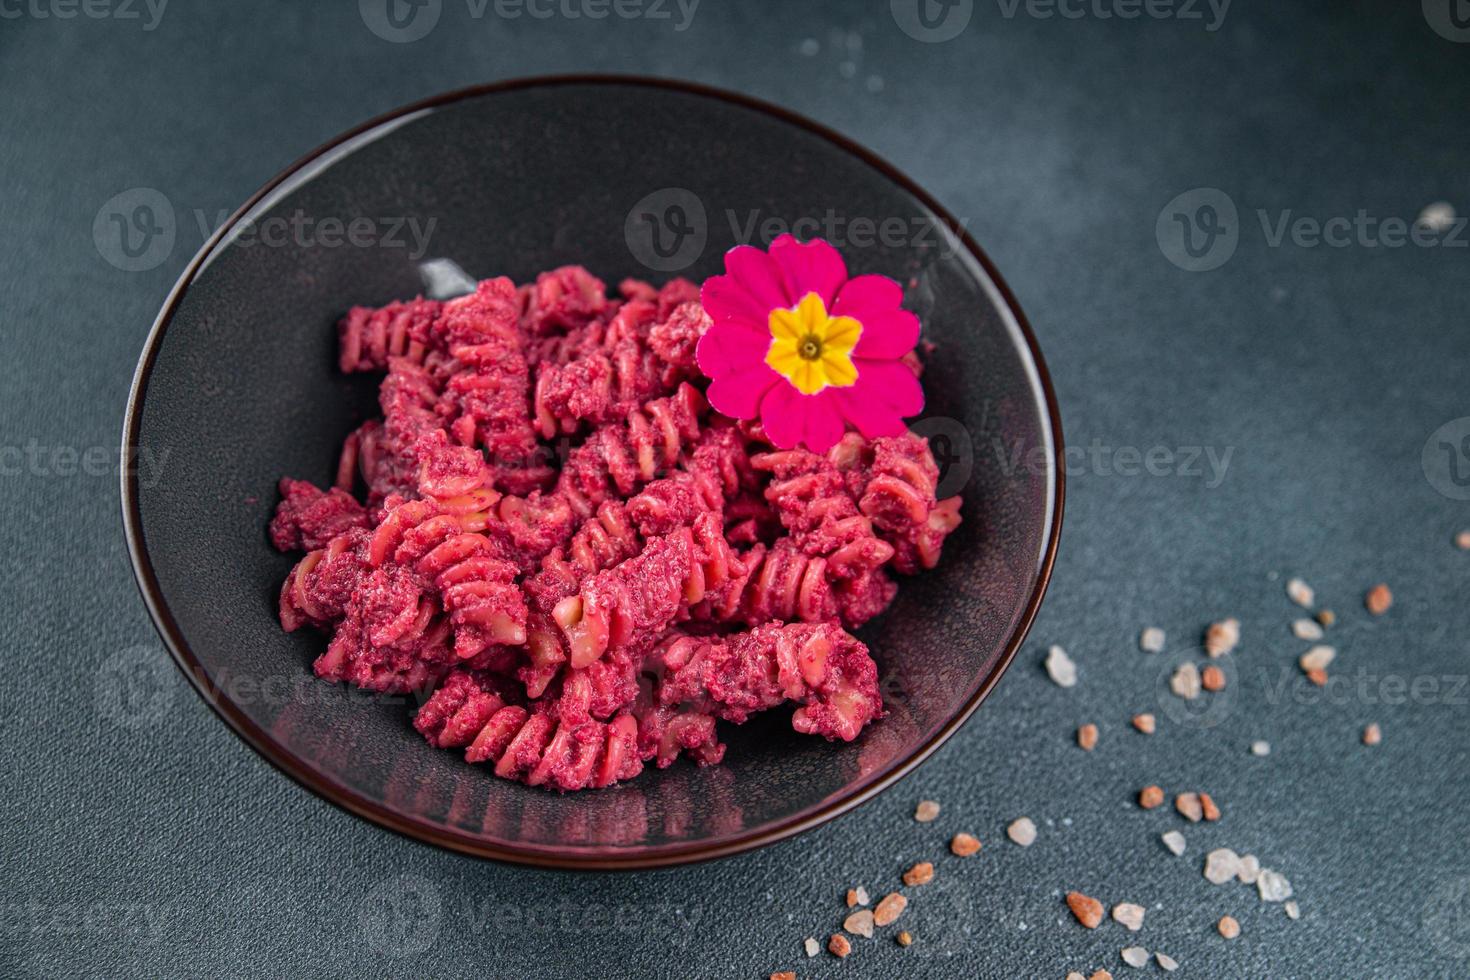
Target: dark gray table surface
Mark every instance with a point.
(1321, 370)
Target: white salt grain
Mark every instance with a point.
(1135, 956)
(1060, 667)
(1293, 910)
(860, 923)
(1129, 916)
(1249, 870)
(927, 811)
(1022, 832)
(1300, 593)
(1272, 886)
(1307, 629)
(1151, 640)
(1185, 683)
(1221, 865)
(1317, 658)
(812, 947)
(1174, 841)
(1437, 217)
(1167, 962)
(1260, 748)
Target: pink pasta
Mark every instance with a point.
(581, 569)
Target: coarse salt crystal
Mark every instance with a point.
(1437, 217)
(1307, 629)
(889, 909)
(812, 947)
(1222, 637)
(1378, 600)
(1221, 865)
(1300, 593)
(1022, 832)
(1185, 683)
(1260, 748)
(1151, 640)
(926, 811)
(1317, 658)
(1189, 807)
(1174, 841)
(1135, 956)
(1060, 668)
(1128, 915)
(860, 923)
(1293, 910)
(1167, 962)
(1272, 886)
(1250, 869)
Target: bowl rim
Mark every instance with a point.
(543, 856)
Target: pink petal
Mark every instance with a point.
(888, 331)
(872, 417)
(783, 412)
(738, 394)
(815, 267)
(728, 346)
(726, 299)
(760, 276)
(885, 393)
(824, 425)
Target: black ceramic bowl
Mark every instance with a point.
(238, 385)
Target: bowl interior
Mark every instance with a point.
(239, 387)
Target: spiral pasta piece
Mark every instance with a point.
(487, 401)
(535, 746)
(317, 590)
(626, 607)
(308, 518)
(899, 498)
(824, 669)
(369, 336)
(475, 586)
(390, 638)
(622, 456)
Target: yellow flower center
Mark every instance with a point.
(811, 349)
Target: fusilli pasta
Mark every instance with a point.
(582, 608)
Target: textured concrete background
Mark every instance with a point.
(150, 841)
